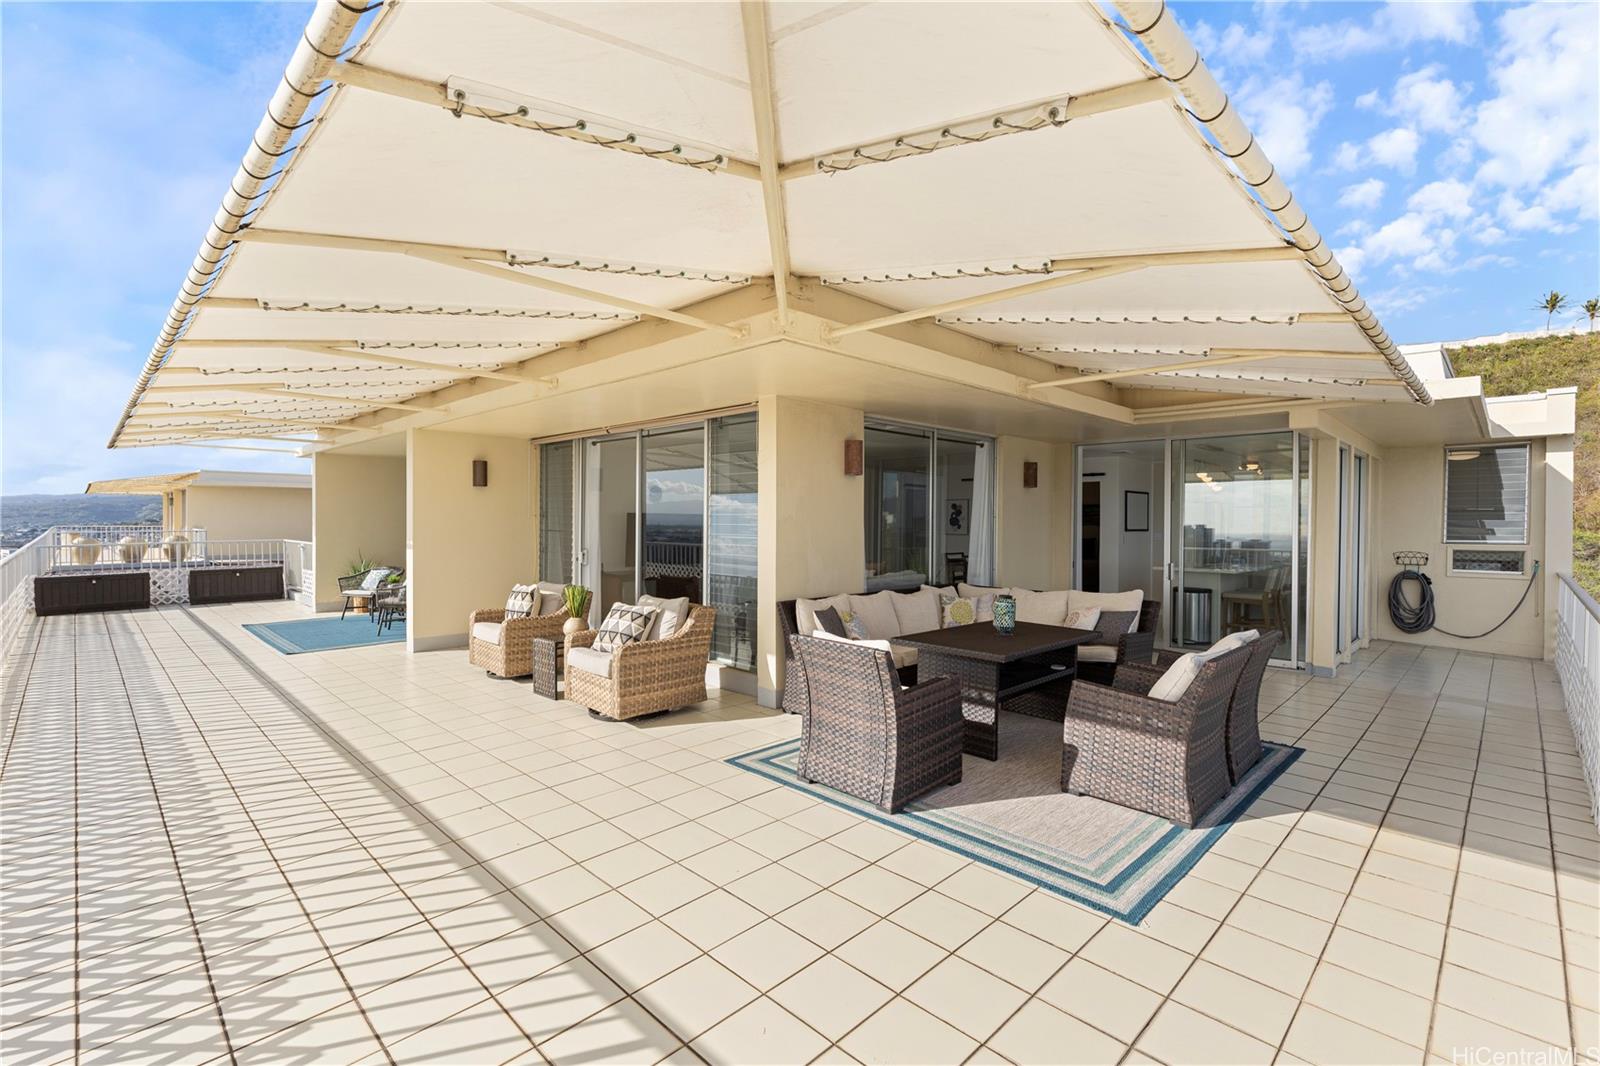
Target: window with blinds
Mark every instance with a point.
(1486, 494)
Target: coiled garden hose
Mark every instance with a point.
(1419, 617)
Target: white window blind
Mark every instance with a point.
(1486, 494)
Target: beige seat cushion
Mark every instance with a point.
(590, 661)
(1176, 681)
(902, 655)
(919, 611)
(877, 614)
(488, 632)
(1097, 653)
(1106, 601)
(1046, 608)
(805, 611)
(672, 614)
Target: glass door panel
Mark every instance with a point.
(730, 569)
(897, 472)
(555, 512)
(674, 513)
(961, 510)
(1234, 525)
(611, 509)
(1302, 545)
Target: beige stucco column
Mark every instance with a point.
(810, 534)
(358, 511)
(1033, 526)
(1557, 558)
(466, 545)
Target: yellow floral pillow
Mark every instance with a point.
(965, 610)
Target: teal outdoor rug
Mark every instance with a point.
(1013, 816)
(326, 634)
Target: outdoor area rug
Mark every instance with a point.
(326, 634)
(1013, 816)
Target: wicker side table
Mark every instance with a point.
(547, 667)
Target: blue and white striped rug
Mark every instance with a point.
(327, 633)
(1013, 816)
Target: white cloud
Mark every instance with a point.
(1396, 148)
(1235, 44)
(1429, 102)
(1396, 24)
(1284, 114)
(1542, 118)
(1363, 196)
(1447, 199)
(1369, 101)
(1347, 156)
(1352, 258)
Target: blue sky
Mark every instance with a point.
(1449, 152)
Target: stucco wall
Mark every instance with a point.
(358, 508)
(465, 546)
(249, 513)
(1408, 516)
(1033, 527)
(811, 537)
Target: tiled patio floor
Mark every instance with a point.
(371, 857)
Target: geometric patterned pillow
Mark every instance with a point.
(523, 601)
(624, 624)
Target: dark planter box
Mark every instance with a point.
(77, 593)
(231, 585)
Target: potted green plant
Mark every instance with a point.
(577, 598)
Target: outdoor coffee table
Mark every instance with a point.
(1033, 665)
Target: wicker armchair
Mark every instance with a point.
(865, 734)
(1244, 723)
(794, 671)
(1135, 647)
(511, 655)
(1170, 759)
(647, 676)
(365, 585)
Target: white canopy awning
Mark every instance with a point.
(481, 183)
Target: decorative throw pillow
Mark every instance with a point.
(1176, 681)
(828, 618)
(523, 601)
(854, 627)
(1083, 618)
(623, 624)
(965, 610)
(1114, 625)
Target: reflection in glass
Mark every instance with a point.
(731, 539)
(555, 512)
(897, 507)
(674, 513)
(1304, 445)
(610, 522)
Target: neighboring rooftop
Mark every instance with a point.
(236, 479)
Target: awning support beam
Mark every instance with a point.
(294, 394)
(758, 56)
(351, 351)
(149, 410)
(470, 259)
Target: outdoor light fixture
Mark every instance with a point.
(1030, 475)
(854, 457)
(480, 473)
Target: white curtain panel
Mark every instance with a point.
(980, 544)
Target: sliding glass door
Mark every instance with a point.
(929, 506)
(1237, 534)
(730, 566)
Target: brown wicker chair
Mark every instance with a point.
(1244, 723)
(794, 671)
(1170, 759)
(1135, 647)
(647, 676)
(865, 734)
(512, 656)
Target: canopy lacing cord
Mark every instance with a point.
(1419, 617)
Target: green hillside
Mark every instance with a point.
(1541, 363)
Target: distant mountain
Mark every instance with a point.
(24, 517)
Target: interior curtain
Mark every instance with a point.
(980, 544)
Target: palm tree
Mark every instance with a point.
(1591, 307)
(1551, 303)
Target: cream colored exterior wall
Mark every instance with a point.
(1408, 516)
(238, 512)
(811, 533)
(465, 546)
(1033, 527)
(358, 510)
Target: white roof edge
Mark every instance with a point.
(250, 479)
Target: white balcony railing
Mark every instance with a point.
(1578, 665)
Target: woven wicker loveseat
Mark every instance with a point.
(646, 676)
(504, 646)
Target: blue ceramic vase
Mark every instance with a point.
(1005, 615)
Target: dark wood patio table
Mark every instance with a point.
(1031, 670)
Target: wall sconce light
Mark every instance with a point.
(1030, 475)
(854, 458)
(480, 473)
